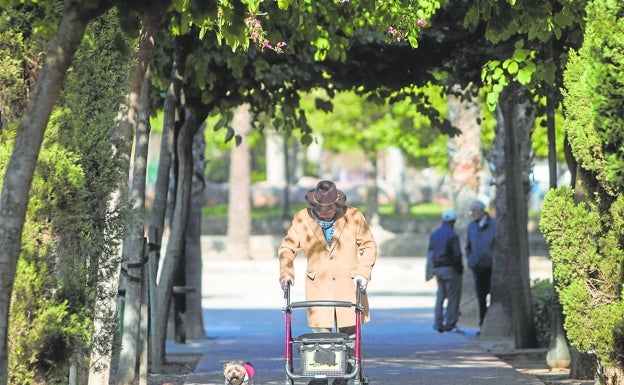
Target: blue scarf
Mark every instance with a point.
(326, 225)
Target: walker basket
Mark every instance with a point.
(323, 354)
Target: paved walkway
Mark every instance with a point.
(243, 317)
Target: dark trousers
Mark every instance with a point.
(483, 280)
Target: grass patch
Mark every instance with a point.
(420, 211)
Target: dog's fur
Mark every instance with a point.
(238, 373)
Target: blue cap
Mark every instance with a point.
(449, 216)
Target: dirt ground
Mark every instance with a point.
(533, 363)
(175, 370)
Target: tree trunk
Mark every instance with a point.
(288, 179)
(497, 323)
(465, 164)
(372, 191)
(194, 321)
(510, 313)
(465, 157)
(610, 375)
(133, 246)
(132, 251)
(583, 365)
(21, 167)
(195, 116)
(239, 210)
(171, 122)
(396, 177)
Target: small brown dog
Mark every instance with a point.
(238, 373)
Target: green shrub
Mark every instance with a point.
(584, 226)
(70, 237)
(541, 294)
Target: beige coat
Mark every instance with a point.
(330, 269)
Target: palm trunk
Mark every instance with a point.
(239, 211)
(465, 165)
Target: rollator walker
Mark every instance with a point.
(324, 355)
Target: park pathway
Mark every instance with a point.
(242, 312)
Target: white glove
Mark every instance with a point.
(362, 280)
(287, 280)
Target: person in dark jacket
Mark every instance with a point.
(446, 257)
(480, 251)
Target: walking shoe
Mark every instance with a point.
(448, 328)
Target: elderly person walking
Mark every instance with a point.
(340, 250)
(446, 257)
(481, 235)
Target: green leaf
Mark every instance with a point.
(497, 73)
(230, 134)
(472, 16)
(520, 55)
(320, 55)
(492, 99)
(547, 72)
(563, 18)
(493, 64)
(524, 75)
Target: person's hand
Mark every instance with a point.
(287, 280)
(362, 280)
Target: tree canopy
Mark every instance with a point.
(267, 53)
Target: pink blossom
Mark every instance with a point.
(397, 34)
(279, 47)
(258, 35)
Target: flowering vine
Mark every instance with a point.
(258, 35)
(398, 33)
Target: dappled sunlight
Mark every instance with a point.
(244, 320)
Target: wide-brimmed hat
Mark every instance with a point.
(325, 197)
